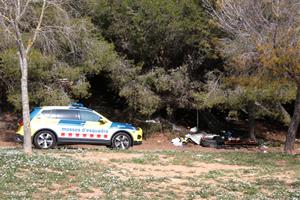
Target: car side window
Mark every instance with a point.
(89, 116)
(48, 114)
(67, 114)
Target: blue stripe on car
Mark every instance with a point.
(71, 122)
(122, 126)
(34, 112)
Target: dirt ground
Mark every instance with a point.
(165, 174)
(178, 178)
(157, 142)
(7, 139)
(144, 170)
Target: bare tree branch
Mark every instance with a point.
(38, 27)
(269, 29)
(23, 10)
(20, 21)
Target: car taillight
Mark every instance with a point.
(21, 122)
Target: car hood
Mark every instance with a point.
(122, 126)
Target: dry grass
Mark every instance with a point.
(107, 174)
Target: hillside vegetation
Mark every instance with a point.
(142, 59)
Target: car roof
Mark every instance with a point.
(65, 108)
(72, 107)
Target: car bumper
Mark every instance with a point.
(19, 138)
(137, 143)
(138, 137)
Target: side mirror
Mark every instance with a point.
(102, 121)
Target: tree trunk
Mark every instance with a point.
(252, 124)
(293, 128)
(27, 145)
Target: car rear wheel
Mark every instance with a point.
(121, 141)
(44, 140)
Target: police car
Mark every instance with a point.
(52, 125)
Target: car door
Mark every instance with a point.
(69, 124)
(93, 128)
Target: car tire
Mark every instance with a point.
(44, 140)
(121, 141)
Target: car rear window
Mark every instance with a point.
(61, 114)
(48, 114)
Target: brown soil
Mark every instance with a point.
(175, 170)
(149, 170)
(7, 130)
(7, 139)
(176, 176)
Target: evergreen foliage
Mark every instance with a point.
(170, 44)
(58, 77)
(162, 55)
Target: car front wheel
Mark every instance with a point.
(44, 140)
(121, 141)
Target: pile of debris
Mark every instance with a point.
(206, 139)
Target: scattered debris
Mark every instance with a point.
(239, 142)
(152, 121)
(213, 140)
(213, 143)
(179, 141)
(196, 138)
(264, 148)
(194, 130)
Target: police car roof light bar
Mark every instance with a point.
(77, 105)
